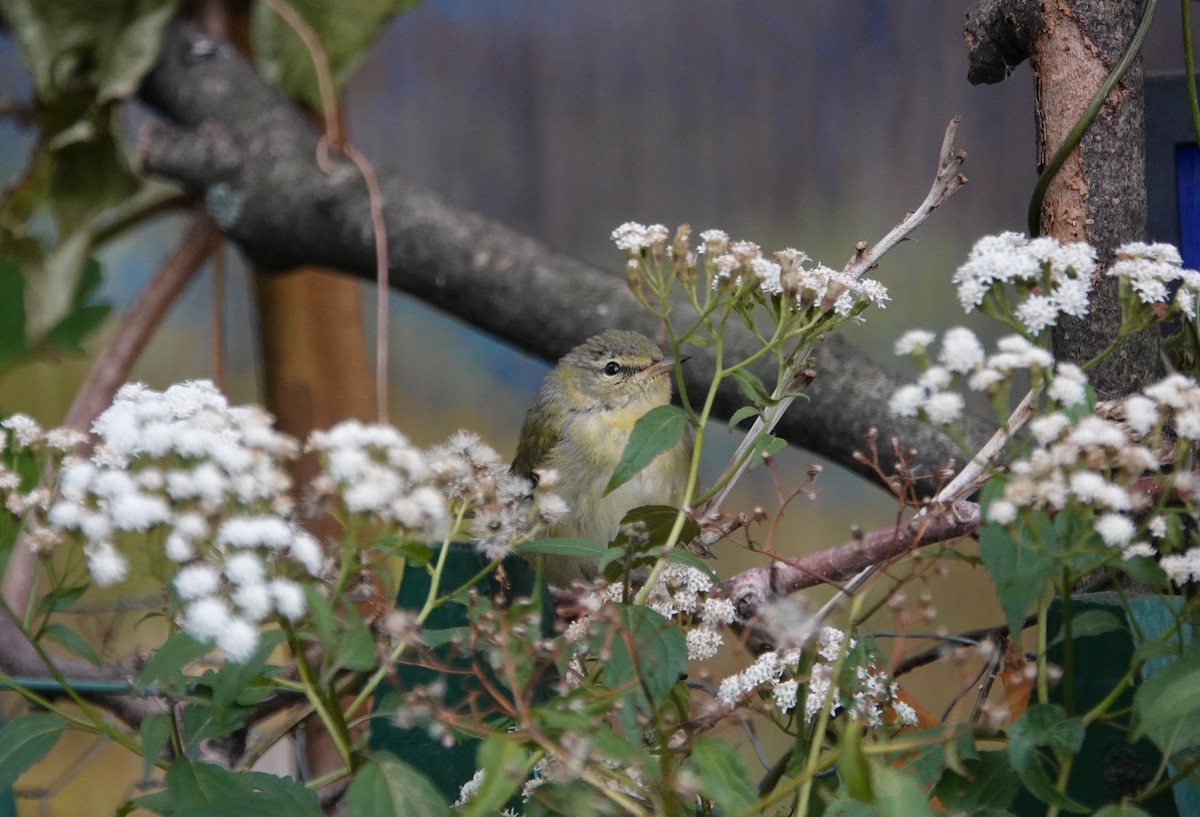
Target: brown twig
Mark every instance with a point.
(111, 368)
(947, 180)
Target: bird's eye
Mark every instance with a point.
(611, 368)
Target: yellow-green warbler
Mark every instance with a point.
(578, 425)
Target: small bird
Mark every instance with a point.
(578, 426)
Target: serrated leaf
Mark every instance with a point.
(580, 548)
(655, 432)
(1019, 573)
(723, 776)
(67, 638)
(387, 786)
(744, 413)
(24, 742)
(647, 657)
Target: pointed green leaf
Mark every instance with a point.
(356, 647)
(167, 663)
(64, 636)
(387, 786)
(744, 413)
(753, 388)
(852, 765)
(658, 430)
(1019, 572)
(723, 776)
(764, 445)
(581, 548)
(24, 742)
(155, 731)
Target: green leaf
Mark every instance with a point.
(504, 763)
(24, 742)
(896, 795)
(1044, 725)
(723, 776)
(387, 787)
(989, 783)
(206, 790)
(322, 616)
(1166, 707)
(436, 638)
(1091, 623)
(356, 647)
(67, 638)
(753, 388)
(744, 413)
(764, 445)
(167, 663)
(155, 731)
(1019, 572)
(655, 432)
(852, 765)
(582, 548)
(60, 598)
(647, 657)
(283, 58)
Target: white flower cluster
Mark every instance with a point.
(681, 592)
(962, 358)
(777, 671)
(736, 263)
(635, 238)
(1093, 462)
(209, 480)
(374, 471)
(1152, 271)
(1053, 278)
(507, 508)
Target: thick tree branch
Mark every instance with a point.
(999, 36)
(251, 154)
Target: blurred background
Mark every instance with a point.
(811, 125)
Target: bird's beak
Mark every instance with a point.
(662, 367)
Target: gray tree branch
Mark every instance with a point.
(252, 156)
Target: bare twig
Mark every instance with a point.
(947, 180)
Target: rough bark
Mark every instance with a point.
(1099, 194)
(251, 155)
